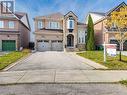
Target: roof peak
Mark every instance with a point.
(98, 13)
(70, 12)
(123, 3)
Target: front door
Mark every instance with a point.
(70, 40)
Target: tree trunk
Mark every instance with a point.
(120, 59)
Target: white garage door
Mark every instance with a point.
(44, 45)
(57, 45)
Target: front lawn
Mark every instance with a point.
(112, 62)
(11, 58)
(124, 82)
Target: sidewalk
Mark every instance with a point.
(62, 76)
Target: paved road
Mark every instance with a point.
(64, 89)
(51, 60)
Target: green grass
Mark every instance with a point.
(11, 58)
(112, 62)
(124, 82)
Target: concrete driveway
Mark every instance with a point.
(51, 60)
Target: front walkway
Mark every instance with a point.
(62, 76)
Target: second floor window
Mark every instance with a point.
(54, 25)
(70, 24)
(40, 25)
(1, 24)
(11, 24)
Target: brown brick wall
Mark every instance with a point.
(98, 30)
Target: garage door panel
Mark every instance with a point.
(8, 45)
(44, 46)
(57, 45)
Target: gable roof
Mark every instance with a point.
(19, 16)
(98, 13)
(104, 15)
(72, 13)
(23, 17)
(96, 16)
(57, 15)
(117, 7)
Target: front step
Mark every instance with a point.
(72, 49)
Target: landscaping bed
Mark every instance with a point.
(11, 57)
(112, 63)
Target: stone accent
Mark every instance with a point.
(81, 47)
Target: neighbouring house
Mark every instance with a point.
(14, 30)
(101, 33)
(58, 32)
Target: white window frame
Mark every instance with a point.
(11, 24)
(54, 25)
(81, 37)
(69, 26)
(40, 24)
(1, 24)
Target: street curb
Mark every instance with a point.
(15, 63)
(6, 84)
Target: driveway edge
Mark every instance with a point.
(91, 63)
(15, 63)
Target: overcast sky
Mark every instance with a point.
(79, 7)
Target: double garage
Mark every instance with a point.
(50, 45)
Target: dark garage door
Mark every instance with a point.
(8, 45)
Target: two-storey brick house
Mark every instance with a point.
(58, 32)
(14, 31)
